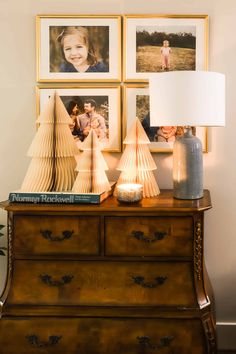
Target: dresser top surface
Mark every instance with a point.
(162, 203)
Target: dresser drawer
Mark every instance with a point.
(56, 235)
(102, 283)
(38, 335)
(149, 236)
(101, 336)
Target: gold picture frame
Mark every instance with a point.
(78, 48)
(105, 99)
(154, 43)
(136, 104)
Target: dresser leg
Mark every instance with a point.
(210, 333)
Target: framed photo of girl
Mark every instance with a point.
(136, 104)
(96, 107)
(157, 43)
(72, 48)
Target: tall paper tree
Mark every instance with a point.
(136, 163)
(91, 167)
(53, 151)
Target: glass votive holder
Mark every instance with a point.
(129, 193)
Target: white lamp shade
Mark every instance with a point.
(187, 98)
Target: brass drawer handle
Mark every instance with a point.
(48, 235)
(47, 279)
(158, 235)
(34, 341)
(140, 280)
(145, 342)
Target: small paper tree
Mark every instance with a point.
(53, 151)
(91, 167)
(137, 163)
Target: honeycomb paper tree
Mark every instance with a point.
(136, 163)
(91, 167)
(53, 151)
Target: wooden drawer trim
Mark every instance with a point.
(56, 235)
(149, 236)
(103, 283)
(101, 335)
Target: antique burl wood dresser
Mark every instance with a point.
(107, 279)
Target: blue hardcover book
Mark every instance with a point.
(58, 197)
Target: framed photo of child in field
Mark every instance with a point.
(157, 43)
(78, 48)
(136, 104)
(96, 107)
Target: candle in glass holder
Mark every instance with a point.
(129, 192)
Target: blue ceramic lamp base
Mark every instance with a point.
(188, 167)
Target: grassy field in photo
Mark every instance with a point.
(142, 106)
(149, 59)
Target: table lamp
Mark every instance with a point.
(189, 99)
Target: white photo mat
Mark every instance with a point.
(43, 23)
(111, 92)
(161, 23)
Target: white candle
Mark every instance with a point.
(129, 192)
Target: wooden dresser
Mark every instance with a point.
(107, 279)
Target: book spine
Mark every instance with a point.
(54, 198)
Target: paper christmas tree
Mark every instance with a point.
(91, 167)
(53, 151)
(137, 163)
